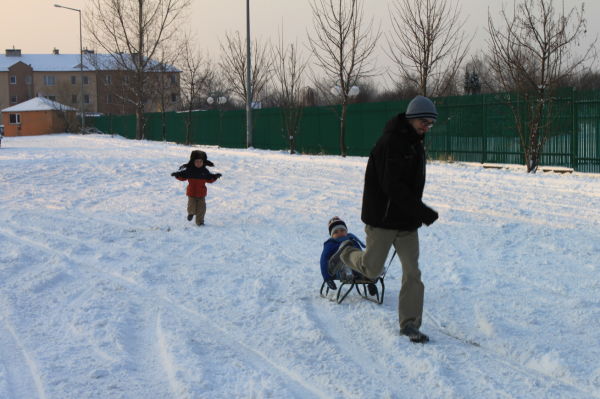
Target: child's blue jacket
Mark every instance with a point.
(332, 245)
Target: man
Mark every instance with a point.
(393, 211)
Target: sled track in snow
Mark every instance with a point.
(225, 331)
(22, 374)
(493, 356)
(231, 337)
(369, 367)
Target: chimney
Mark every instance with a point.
(12, 52)
(55, 51)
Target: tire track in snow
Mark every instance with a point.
(257, 358)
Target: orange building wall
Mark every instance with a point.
(33, 123)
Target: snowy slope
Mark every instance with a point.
(107, 291)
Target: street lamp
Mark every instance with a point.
(248, 80)
(219, 100)
(337, 91)
(80, 66)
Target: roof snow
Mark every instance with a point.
(38, 104)
(70, 62)
(44, 62)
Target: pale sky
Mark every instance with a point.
(36, 26)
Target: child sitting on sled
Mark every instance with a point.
(338, 233)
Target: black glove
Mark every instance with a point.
(217, 175)
(331, 284)
(428, 215)
(174, 174)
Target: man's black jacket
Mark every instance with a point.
(395, 178)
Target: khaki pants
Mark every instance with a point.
(197, 206)
(371, 263)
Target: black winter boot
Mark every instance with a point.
(414, 334)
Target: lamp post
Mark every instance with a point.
(80, 66)
(248, 80)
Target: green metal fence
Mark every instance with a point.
(478, 128)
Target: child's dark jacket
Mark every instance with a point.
(332, 245)
(197, 179)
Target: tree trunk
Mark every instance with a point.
(139, 122)
(292, 137)
(188, 128)
(343, 129)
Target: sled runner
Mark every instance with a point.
(371, 290)
(366, 288)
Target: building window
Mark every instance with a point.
(108, 79)
(86, 80)
(174, 98)
(28, 80)
(49, 80)
(86, 98)
(109, 99)
(14, 119)
(13, 99)
(13, 80)
(173, 80)
(73, 79)
(126, 79)
(74, 98)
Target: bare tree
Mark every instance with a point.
(165, 83)
(427, 44)
(288, 69)
(233, 66)
(195, 73)
(530, 55)
(65, 113)
(131, 32)
(586, 80)
(342, 45)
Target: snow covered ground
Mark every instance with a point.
(107, 291)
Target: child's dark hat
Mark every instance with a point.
(335, 223)
(197, 154)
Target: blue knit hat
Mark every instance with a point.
(421, 107)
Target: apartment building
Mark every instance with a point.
(106, 88)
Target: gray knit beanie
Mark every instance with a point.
(421, 107)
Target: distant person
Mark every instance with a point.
(197, 175)
(392, 210)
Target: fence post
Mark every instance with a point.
(574, 133)
(483, 129)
